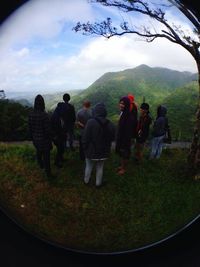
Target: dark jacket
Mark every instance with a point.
(125, 129)
(96, 145)
(57, 126)
(143, 128)
(161, 125)
(40, 130)
(68, 114)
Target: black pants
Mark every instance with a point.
(43, 159)
(69, 137)
(60, 146)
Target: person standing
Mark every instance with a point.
(83, 115)
(40, 131)
(98, 135)
(124, 134)
(144, 123)
(134, 113)
(160, 130)
(69, 117)
(58, 131)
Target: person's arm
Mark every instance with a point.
(87, 134)
(73, 114)
(79, 124)
(145, 130)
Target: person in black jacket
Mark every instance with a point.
(40, 131)
(97, 137)
(160, 131)
(69, 118)
(58, 133)
(124, 133)
(144, 123)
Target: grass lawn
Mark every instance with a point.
(148, 203)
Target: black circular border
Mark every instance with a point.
(179, 238)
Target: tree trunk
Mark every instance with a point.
(194, 153)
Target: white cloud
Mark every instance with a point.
(42, 19)
(23, 68)
(23, 52)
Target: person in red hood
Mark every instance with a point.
(134, 113)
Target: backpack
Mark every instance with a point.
(106, 132)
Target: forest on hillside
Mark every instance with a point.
(176, 90)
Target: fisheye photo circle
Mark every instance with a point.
(100, 122)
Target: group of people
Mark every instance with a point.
(96, 133)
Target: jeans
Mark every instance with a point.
(99, 170)
(156, 147)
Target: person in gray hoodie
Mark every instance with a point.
(98, 135)
(160, 131)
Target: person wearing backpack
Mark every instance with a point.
(69, 118)
(160, 131)
(58, 133)
(97, 137)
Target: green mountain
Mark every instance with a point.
(182, 106)
(151, 84)
(50, 99)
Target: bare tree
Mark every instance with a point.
(169, 31)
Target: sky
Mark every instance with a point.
(39, 52)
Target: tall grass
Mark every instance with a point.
(151, 201)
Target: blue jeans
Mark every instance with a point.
(99, 170)
(156, 147)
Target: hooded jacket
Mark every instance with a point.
(94, 144)
(126, 126)
(160, 126)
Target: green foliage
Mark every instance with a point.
(157, 85)
(182, 106)
(13, 121)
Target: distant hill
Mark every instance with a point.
(182, 106)
(153, 84)
(24, 102)
(50, 99)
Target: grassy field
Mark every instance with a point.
(148, 203)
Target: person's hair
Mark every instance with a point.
(86, 103)
(66, 97)
(145, 106)
(39, 104)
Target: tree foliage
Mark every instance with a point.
(170, 31)
(13, 121)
